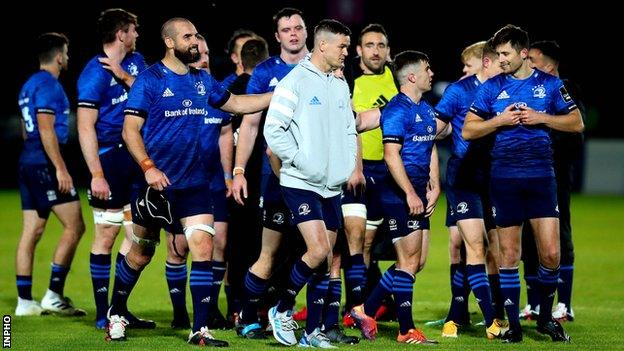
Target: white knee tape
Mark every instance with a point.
(110, 218)
(372, 225)
(354, 210)
(188, 231)
(145, 242)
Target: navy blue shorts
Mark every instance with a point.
(39, 189)
(120, 171)
(374, 172)
(470, 203)
(275, 213)
(220, 206)
(183, 203)
(396, 212)
(307, 205)
(450, 214)
(516, 200)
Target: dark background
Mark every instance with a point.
(588, 37)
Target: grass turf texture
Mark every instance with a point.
(597, 300)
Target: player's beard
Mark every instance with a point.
(187, 57)
(372, 68)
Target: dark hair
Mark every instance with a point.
(489, 50)
(549, 48)
(113, 20)
(239, 33)
(516, 36)
(374, 28)
(332, 26)
(286, 12)
(404, 59)
(253, 52)
(49, 45)
(409, 57)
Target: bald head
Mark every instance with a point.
(170, 28)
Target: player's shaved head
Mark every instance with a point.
(169, 28)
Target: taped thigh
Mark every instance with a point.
(354, 210)
(373, 225)
(108, 217)
(188, 231)
(145, 242)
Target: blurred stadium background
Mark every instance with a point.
(433, 28)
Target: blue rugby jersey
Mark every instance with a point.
(209, 145)
(42, 93)
(453, 107)
(466, 155)
(227, 81)
(414, 126)
(265, 77)
(174, 107)
(99, 89)
(522, 151)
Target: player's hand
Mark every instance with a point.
(433, 194)
(114, 67)
(239, 185)
(228, 187)
(65, 182)
(99, 188)
(357, 182)
(157, 179)
(509, 117)
(415, 204)
(530, 117)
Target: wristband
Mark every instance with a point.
(238, 170)
(98, 174)
(147, 164)
(227, 176)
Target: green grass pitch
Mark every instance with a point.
(598, 297)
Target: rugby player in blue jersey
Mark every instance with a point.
(409, 128)
(216, 128)
(45, 184)
(468, 196)
(164, 114)
(102, 94)
(567, 148)
(520, 107)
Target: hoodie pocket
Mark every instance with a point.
(308, 170)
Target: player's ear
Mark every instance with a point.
(119, 35)
(59, 58)
(322, 45)
(169, 42)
